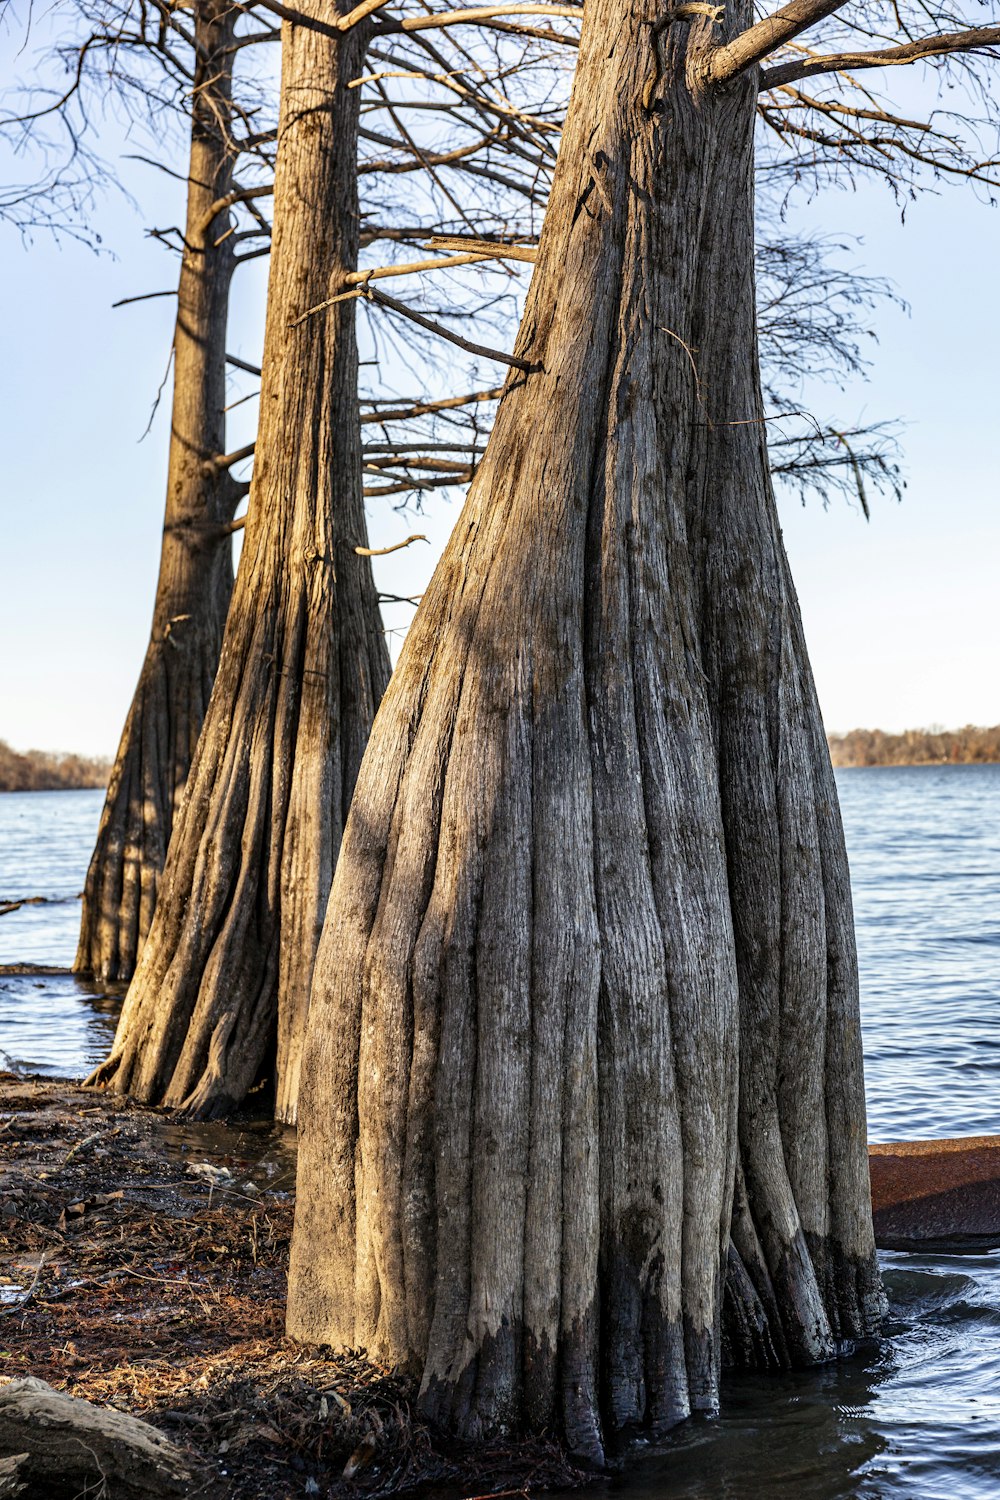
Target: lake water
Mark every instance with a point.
(920, 1418)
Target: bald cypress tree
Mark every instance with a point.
(228, 960)
(583, 1082)
(196, 570)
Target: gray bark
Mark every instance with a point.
(196, 572)
(584, 1045)
(225, 974)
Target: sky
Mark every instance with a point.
(900, 611)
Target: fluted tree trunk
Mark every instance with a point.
(225, 973)
(196, 572)
(583, 1062)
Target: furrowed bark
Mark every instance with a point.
(196, 573)
(802, 1126)
(531, 902)
(583, 1044)
(225, 974)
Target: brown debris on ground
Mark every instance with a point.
(142, 1267)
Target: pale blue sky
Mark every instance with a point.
(900, 613)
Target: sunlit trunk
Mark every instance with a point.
(587, 976)
(196, 570)
(225, 974)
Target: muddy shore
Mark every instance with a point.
(142, 1267)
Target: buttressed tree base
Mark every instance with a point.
(582, 1090)
(225, 972)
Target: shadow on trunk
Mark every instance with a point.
(584, 1044)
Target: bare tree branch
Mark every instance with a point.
(483, 13)
(943, 45)
(417, 536)
(241, 364)
(420, 409)
(760, 40)
(391, 303)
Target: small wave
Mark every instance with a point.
(914, 1293)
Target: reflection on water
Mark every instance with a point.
(917, 1419)
(260, 1149)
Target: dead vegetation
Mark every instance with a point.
(973, 745)
(46, 771)
(142, 1268)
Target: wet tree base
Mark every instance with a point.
(143, 1267)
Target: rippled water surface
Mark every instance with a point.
(49, 1023)
(919, 1419)
(924, 844)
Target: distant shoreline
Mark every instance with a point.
(973, 745)
(45, 771)
(907, 765)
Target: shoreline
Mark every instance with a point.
(838, 765)
(908, 765)
(142, 1268)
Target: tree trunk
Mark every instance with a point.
(196, 572)
(226, 970)
(584, 1047)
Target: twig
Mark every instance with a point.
(421, 409)
(501, 1494)
(320, 306)
(411, 267)
(383, 551)
(487, 12)
(62, 1293)
(241, 364)
(344, 23)
(82, 1145)
(395, 449)
(766, 36)
(296, 17)
(29, 1294)
(498, 248)
(227, 460)
(385, 466)
(470, 348)
(146, 297)
(941, 45)
(406, 486)
(229, 200)
(694, 369)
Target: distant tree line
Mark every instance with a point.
(972, 745)
(43, 771)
